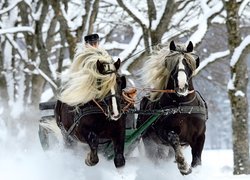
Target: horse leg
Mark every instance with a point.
(197, 148)
(92, 157)
(119, 159)
(174, 141)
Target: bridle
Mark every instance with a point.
(172, 76)
(108, 70)
(103, 105)
(105, 110)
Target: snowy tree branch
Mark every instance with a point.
(238, 51)
(20, 53)
(203, 21)
(212, 58)
(243, 6)
(12, 5)
(137, 16)
(17, 30)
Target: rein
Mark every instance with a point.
(130, 98)
(100, 107)
(161, 90)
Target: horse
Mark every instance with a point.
(89, 105)
(169, 72)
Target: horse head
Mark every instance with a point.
(185, 64)
(113, 98)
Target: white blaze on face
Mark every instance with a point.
(114, 103)
(182, 77)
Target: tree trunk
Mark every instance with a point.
(238, 93)
(3, 89)
(93, 15)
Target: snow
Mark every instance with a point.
(213, 57)
(159, 14)
(72, 25)
(239, 93)
(12, 5)
(17, 29)
(230, 85)
(21, 155)
(136, 13)
(238, 51)
(203, 21)
(22, 158)
(47, 95)
(243, 6)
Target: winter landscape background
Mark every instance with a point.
(201, 21)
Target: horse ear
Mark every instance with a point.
(100, 66)
(172, 46)
(117, 64)
(197, 62)
(190, 47)
(124, 82)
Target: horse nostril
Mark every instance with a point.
(182, 90)
(115, 117)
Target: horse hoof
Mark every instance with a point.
(186, 172)
(119, 161)
(91, 161)
(196, 163)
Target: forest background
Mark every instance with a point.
(38, 38)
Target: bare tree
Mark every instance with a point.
(35, 41)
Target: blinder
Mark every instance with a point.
(107, 69)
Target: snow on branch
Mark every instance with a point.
(134, 13)
(47, 78)
(238, 51)
(203, 25)
(243, 6)
(132, 45)
(230, 85)
(112, 2)
(71, 24)
(23, 56)
(16, 30)
(43, 74)
(114, 45)
(19, 51)
(127, 50)
(11, 6)
(159, 14)
(213, 57)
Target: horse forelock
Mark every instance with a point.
(84, 81)
(158, 67)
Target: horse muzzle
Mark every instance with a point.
(115, 117)
(182, 91)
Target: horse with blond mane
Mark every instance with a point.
(169, 72)
(89, 104)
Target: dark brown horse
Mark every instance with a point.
(170, 73)
(98, 118)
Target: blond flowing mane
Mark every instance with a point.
(156, 70)
(83, 81)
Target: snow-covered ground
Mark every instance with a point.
(22, 158)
